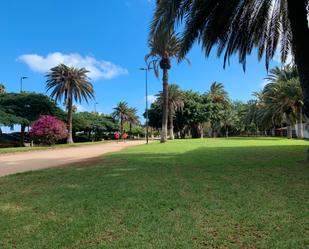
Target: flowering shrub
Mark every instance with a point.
(48, 130)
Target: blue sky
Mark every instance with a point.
(109, 38)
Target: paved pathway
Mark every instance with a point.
(35, 160)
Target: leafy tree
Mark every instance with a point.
(25, 108)
(48, 130)
(2, 89)
(240, 26)
(90, 122)
(70, 84)
(175, 103)
(155, 115)
(163, 47)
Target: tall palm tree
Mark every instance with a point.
(175, 102)
(241, 26)
(285, 97)
(121, 112)
(2, 88)
(69, 84)
(284, 83)
(219, 98)
(218, 93)
(133, 118)
(163, 47)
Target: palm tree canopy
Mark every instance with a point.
(163, 46)
(69, 82)
(217, 92)
(132, 116)
(234, 25)
(121, 111)
(175, 98)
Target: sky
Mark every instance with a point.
(109, 38)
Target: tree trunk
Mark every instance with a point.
(121, 124)
(171, 124)
(297, 13)
(70, 118)
(273, 131)
(22, 135)
(227, 132)
(300, 126)
(165, 106)
(289, 130)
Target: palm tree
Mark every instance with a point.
(70, 84)
(218, 93)
(163, 47)
(2, 89)
(241, 26)
(175, 102)
(133, 118)
(219, 98)
(122, 112)
(283, 92)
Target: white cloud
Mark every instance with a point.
(99, 69)
(151, 98)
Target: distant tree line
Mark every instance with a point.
(275, 110)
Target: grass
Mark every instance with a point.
(26, 149)
(211, 193)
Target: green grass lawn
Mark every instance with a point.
(211, 193)
(26, 149)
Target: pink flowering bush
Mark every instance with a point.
(48, 130)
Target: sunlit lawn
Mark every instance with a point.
(211, 193)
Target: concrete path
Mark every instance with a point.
(36, 160)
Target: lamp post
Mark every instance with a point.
(146, 69)
(21, 82)
(95, 107)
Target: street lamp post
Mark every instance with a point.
(146, 70)
(21, 82)
(95, 107)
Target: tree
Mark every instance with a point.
(132, 118)
(122, 112)
(175, 103)
(24, 108)
(285, 97)
(219, 99)
(70, 84)
(2, 89)
(240, 26)
(163, 47)
(48, 130)
(93, 123)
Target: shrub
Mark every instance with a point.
(48, 130)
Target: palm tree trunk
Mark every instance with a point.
(165, 106)
(289, 130)
(300, 126)
(171, 124)
(70, 118)
(121, 124)
(297, 13)
(273, 131)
